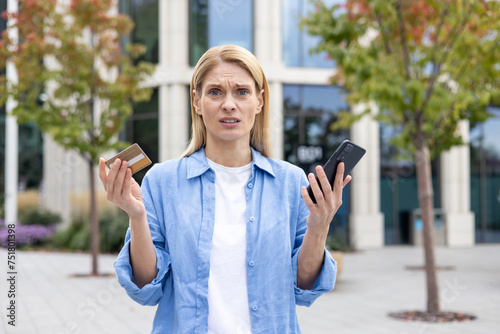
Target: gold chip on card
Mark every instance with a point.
(135, 157)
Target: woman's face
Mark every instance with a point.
(228, 103)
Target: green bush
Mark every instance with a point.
(112, 228)
(335, 242)
(35, 216)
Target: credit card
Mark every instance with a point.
(135, 157)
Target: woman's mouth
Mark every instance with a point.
(229, 122)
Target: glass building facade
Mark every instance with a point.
(213, 23)
(485, 177)
(30, 145)
(309, 114)
(398, 188)
(304, 105)
(297, 44)
(142, 126)
(144, 13)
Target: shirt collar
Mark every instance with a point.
(198, 165)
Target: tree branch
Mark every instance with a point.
(387, 46)
(404, 42)
(437, 64)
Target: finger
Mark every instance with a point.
(347, 180)
(305, 196)
(113, 171)
(325, 184)
(127, 184)
(120, 178)
(318, 194)
(339, 180)
(102, 172)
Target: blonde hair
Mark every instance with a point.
(259, 135)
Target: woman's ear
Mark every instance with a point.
(260, 98)
(196, 102)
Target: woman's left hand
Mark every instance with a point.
(328, 201)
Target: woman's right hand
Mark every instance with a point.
(121, 188)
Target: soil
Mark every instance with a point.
(430, 317)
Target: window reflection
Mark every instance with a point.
(309, 114)
(398, 187)
(218, 22)
(144, 13)
(485, 177)
(296, 42)
(142, 128)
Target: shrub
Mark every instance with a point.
(337, 243)
(112, 226)
(35, 216)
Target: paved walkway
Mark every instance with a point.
(371, 284)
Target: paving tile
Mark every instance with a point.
(372, 284)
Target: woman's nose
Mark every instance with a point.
(228, 104)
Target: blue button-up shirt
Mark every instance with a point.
(179, 196)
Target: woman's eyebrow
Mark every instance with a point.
(218, 85)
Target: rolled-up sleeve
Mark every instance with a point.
(328, 274)
(151, 293)
(325, 282)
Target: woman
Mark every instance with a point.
(225, 239)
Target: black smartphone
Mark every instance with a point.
(347, 152)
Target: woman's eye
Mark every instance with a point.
(213, 93)
(243, 92)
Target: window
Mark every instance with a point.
(144, 13)
(309, 113)
(30, 142)
(3, 7)
(398, 187)
(485, 177)
(296, 42)
(218, 22)
(142, 128)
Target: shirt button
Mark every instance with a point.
(252, 219)
(254, 307)
(251, 263)
(250, 185)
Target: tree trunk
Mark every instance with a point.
(425, 199)
(94, 222)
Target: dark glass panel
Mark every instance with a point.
(218, 22)
(144, 13)
(296, 42)
(485, 177)
(142, 128)
(309, 112)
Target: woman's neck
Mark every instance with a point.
(229, 154)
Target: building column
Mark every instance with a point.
(173, 121)
(366, 221)
(268, 50)
(173, 113)
(11, 134)
(455, 193)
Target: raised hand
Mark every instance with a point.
(121, 188)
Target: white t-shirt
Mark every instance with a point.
(228, 309)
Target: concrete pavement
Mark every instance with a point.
(372, 283)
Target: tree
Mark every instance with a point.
(427, 65)
(75, 81)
